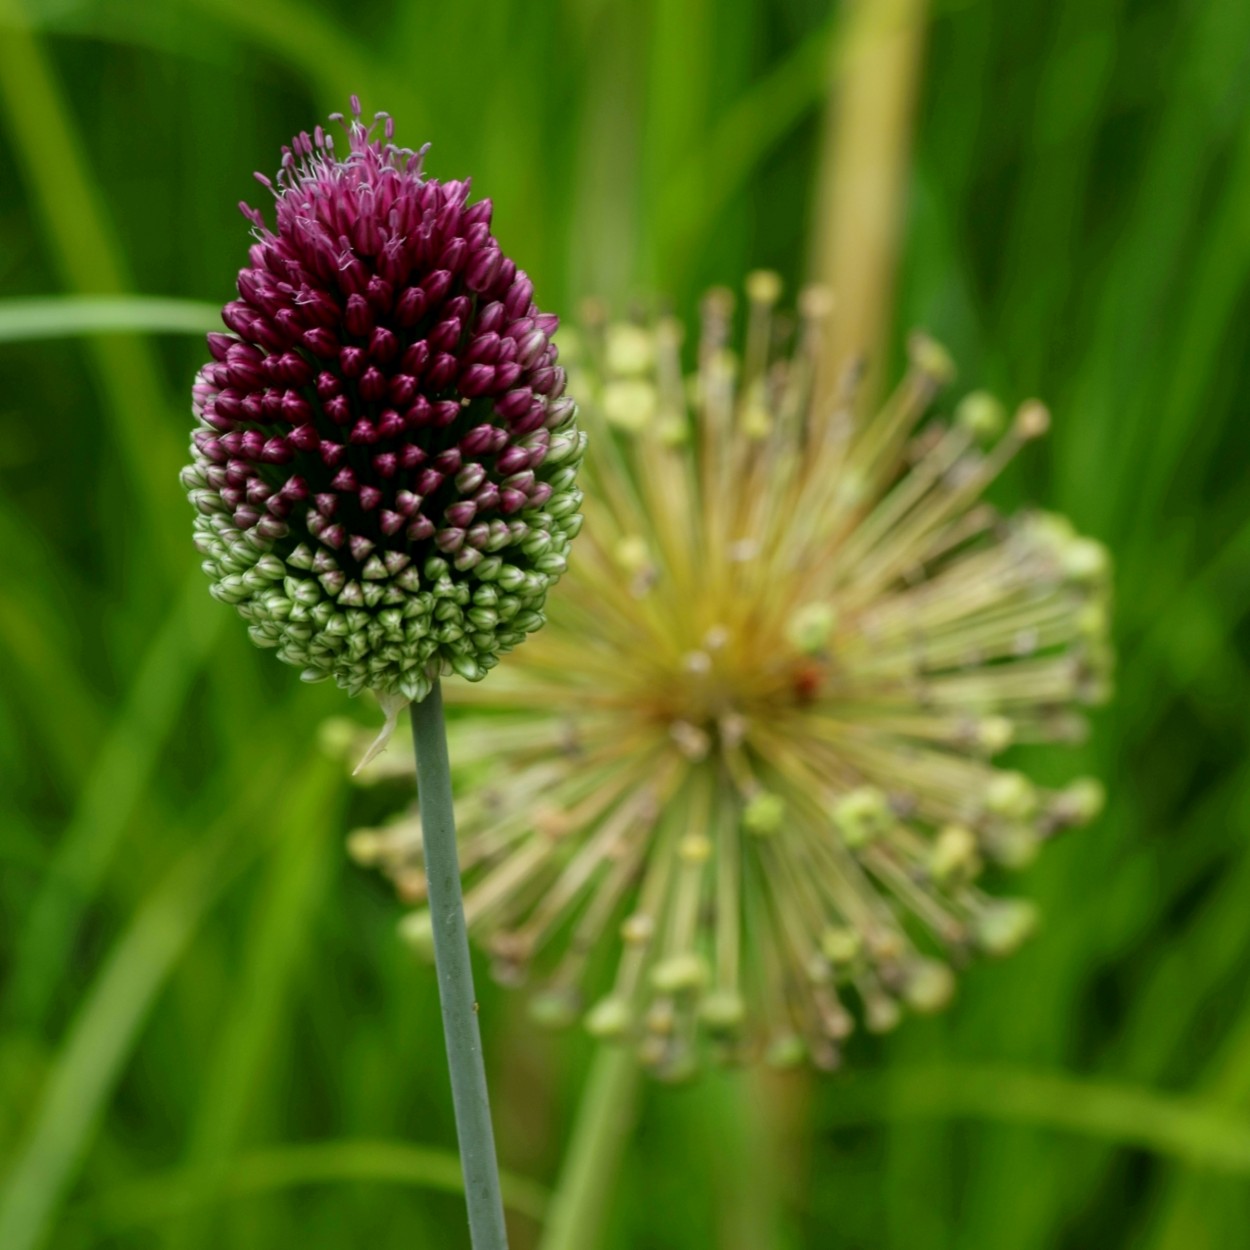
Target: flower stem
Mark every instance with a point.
(455, 977)
(604, 1120)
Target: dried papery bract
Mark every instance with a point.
(384, 460)
(751, 764)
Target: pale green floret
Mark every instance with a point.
(881, 1014)
(954, 855)
(629, 404)
(811, 626)
(679, 973)
(931, 358)
(929, 986)
(995, 734)
(1010, 795)
(555, 1008)
(1003, 924)
(862, 815)
(1013, 844)
(1086, 562)
(629, 349)
(763, 286)
(723, 1011)
(417, 931)
(1080, 802)
(763, 814)
(842, 946)
(1093, 622)
(981, 414)
(786, 1051)
(609, 1018)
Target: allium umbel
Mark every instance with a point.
(384, 463)
(751, 762)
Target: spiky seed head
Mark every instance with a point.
(767, 717)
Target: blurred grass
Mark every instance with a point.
(22, 320)
(210, 1035)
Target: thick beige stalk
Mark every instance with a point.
(863, 177)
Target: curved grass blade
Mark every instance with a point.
(168, 1195)
(123, 768)
(1192, 1131)
(63, 316)
(111, 1017)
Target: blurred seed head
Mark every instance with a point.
(744, 789)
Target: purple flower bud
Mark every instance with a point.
(446, 335)
(441, 371)
(412, 304)
(530, 348)
(420, 414)
(515, 403)
(512, 460)
(390, 424)
(436, 287)
(331, 452)
(454, 254)
(520, 294)
(380, 293)
(477, 440)
(373, 384)
(359, 316)
(276, 451)
(478, 213)
(294, 407)
(415, 358)
(477, 380)
(491, 319)
(428, 481)
(321, 342)
(383, 345)
(401, 389)
(219, 345)
(483, 269)
(382, 351)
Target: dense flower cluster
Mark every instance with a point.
(754, 757)
(384, 463)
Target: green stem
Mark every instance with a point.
(604, 1120)
(455, 977)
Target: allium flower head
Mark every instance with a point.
(384, 463)
(743, 789)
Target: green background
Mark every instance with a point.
(198, 983)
